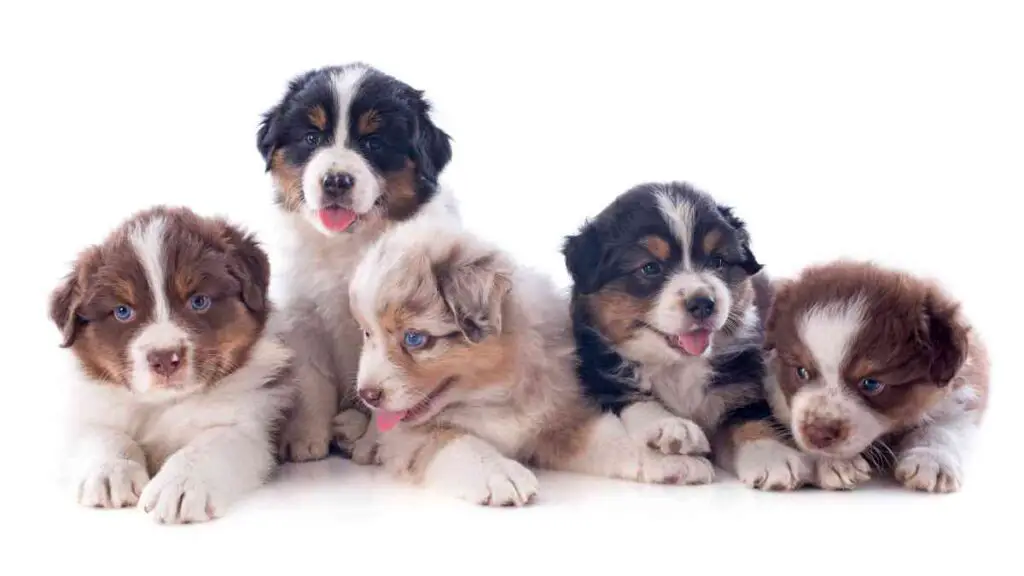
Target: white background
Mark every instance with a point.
(881, 130)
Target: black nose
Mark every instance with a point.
(700, 307)
(372, 396)
(337, 183)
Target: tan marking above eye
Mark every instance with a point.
(711, 241)
(318, 117)
(368, 123)
(657, 246)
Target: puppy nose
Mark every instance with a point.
(824, 434)
(165, 362)
(372, 396)
(700, 307)
(337, 183)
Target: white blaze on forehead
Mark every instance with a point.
(346, 86)
(148, 242)
(681, 217)
(828, 330)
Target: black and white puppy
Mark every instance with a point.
(352, 151)
(666, 318)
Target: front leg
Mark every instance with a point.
(931, 458)
(654, 426)
(307, 432)
(108, 468)
(200, 481)
(458, 464)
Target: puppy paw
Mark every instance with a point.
(113, 484)
(303, 442)
(676, 469)
(486, 479)
(929, 470)
(771, 465)
(841, 474)
(677, 436)
(177, 495)
(364, 451)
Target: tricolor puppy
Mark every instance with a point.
(665, 316)
(352, 151)
(179, 387)
(872, 367)
(469, 365)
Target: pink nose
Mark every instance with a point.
(372, 396)
(167, 361)
(823, 434)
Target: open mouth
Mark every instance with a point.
(692, 343)
(387, 419)
(337, 218)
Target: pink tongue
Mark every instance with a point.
(337, 219)
(695, 343)
(388, 420)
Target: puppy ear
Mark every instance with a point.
(774, 305)
(248, 263)
(750, 265)
(474, 289)
(946, 337)
(65, 301)
(268, 134)
(583, 255)
(433, 144)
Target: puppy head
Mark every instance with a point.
(431, 304)
(349, 146)
(661, 271)
(859, 351)
(170, 302)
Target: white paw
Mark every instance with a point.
(929, 470)
(177, 495)
(348, 427)
(771, 465)
(677, 436)
(302, 442)
(841, 474)
(113, 484)
(675, 469)
(482, 478)
(364, 451)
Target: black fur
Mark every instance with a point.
(406, 131)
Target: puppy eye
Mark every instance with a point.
(414, 339)
(372, 143)
(870, 386)
(802, 373)
(313, 138)
(716, 262)
(200, 302)
(651, 269)
(124, 313)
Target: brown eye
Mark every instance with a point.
(651, 269)
(313, 138)
(802, 373)
(716, 262)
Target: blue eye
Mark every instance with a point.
(870, 386)
(802, 373)
(651, 269)
(414, 339)
(200, 302)
(124, 313)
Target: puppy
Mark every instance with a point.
(665, 314)
(469, 365)
(871, 366)
(180, 373)
(351, 151)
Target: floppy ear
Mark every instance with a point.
(64, 303)
(433, 145)
(583, 254)
(268, 134)
(777, 303)
(750, 264)
(946, 337)
(248, 263)
(474, 291)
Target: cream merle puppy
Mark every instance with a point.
(352, 151)
(665, 314)
(872, 367)
(469, 365)
(180, 374)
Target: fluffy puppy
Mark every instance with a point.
(469, 364)
(871, 367)
(666, 320)
(179, 374)
(352, 151)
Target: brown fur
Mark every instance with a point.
(289, 182)
(658, 247)
(616, 313)
(318, 117)
(368, 122)
(711, 240)
(201, 255)
(400, 199)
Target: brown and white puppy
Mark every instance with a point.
(872, 367)
(469, 365)
(178, 392)
(351, 150)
